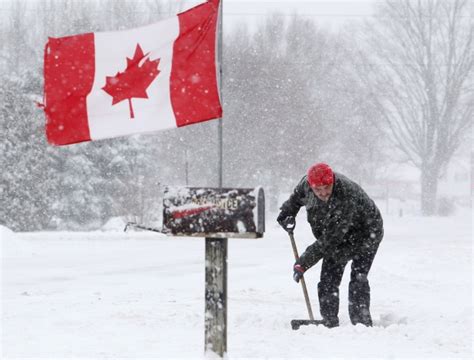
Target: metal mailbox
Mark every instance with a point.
(214, 212)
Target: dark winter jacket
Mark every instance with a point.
(346, 225)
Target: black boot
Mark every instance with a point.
(331, 322)
(329, 304)
(359, 302)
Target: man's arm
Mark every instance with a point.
(311, 256)
(292, 206)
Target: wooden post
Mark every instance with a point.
(215, 335)
(216, 296)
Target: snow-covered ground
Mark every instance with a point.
(141, 295)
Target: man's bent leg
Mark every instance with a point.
(359, 302)
(328, 291)
(359, 288)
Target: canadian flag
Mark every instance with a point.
(108, 84)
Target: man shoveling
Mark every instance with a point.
(347, 226)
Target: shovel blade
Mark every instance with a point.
(295, 324)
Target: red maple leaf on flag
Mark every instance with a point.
(133, 82)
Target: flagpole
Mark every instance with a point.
(219, 124)
(215, 318)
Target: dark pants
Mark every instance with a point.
(359, 289)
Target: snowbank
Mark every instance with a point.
(5, 233)
(11, 245)
(116, 224)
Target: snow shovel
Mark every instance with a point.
(295, 324)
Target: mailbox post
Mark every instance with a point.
(215, 313)
(215, 214)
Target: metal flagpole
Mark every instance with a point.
(219, 123)
(216, 251)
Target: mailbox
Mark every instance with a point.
(214, 212)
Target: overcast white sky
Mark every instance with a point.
(328, 12)
(319, 8)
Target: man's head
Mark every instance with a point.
(321, 180)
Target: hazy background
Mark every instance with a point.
(381, 90)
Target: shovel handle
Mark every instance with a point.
(303, 283)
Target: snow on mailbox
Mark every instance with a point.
(214, 212)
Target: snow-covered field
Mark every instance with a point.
(141, 295)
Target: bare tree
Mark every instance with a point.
(417, 67)
(17, 36)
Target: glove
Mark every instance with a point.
(284, 220)
(298, 272)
